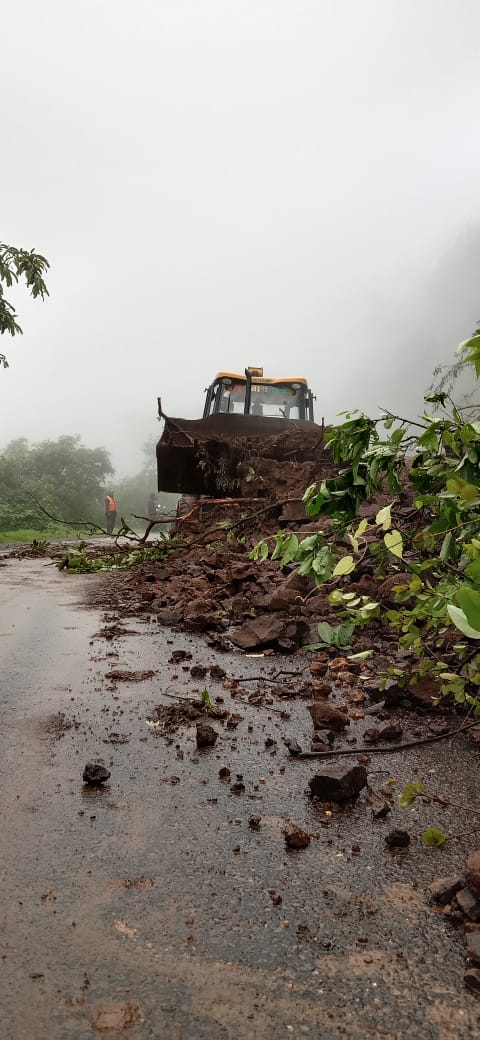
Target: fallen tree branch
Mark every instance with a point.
(67, 523)
(236, 523)
(389, 749)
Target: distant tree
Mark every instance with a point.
(454, 381)
(17, 265)
(62, 476)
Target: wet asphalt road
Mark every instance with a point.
(152, 898)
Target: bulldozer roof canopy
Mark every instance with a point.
(260, 379)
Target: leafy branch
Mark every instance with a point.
(18, 265)
(431, 528)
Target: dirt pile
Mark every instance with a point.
(241, 455)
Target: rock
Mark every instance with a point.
(423, 692)
(254, 822)
(198, 671)
(287, 645)
(472, 938)
(224, 773)
(148, 595)
(243, 571)
(179, 655)
(397, 839)
(472, 872)
(95, 773)
(468, 904)
(207, 736)
(390, 692)
(238, 787)
(319, 666)
(295, 837)
(277, 600)
(442, 890)
(324, 716)
(392, 731)
(258, 632)
(472, 979)
(293, 746)
(321, 688)
(298, 582)
(318, 744)
(379, 806)
(371, 736)
(338, 784)
(217, 672)
(293, 511)
(169, 616)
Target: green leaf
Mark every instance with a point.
(309, 492)
(384, 518)
(467, 492)
(469, 601)
(325, 632)
(345, 633)
(447, 546)
(460, 621)
(362, 527)
(290, 549)
(344, 566)
(394, 543)
(362, 656)
(433, 836)
(206, 699)
(473, 570)
(260, 551)
(410, 793)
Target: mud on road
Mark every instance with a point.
(150, 906)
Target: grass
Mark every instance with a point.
(48, 535)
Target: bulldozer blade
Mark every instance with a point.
(208, 456)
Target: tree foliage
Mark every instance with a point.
(429, 533)
(17, 265)
(63, 476)
(134, 492)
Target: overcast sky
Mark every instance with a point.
(216, 183)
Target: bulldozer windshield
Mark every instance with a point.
(279, 400)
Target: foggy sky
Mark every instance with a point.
(286, 183)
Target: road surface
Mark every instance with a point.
(150, 908)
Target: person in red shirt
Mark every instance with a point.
(110, 512)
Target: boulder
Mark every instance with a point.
(258, 632)
(472, 979)
(338, 784)
(324, 716)
(423, 692)
(468, 904)
(472, 872)
(472, 938)
(207, 736)
(95, 773)
(295, 837)
(442, 890)
(398, 839)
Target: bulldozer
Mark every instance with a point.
(251, 425)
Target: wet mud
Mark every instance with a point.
(151, 906)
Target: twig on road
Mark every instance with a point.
(389, 749)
